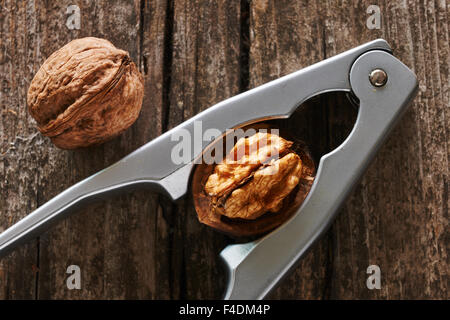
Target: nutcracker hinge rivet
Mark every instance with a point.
(378, 77)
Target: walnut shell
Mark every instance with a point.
(241, 201)
(85, 93)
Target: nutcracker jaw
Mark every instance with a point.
(384, 87)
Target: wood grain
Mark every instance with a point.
(389, 220)
(192, 55)
(205, 70)
(396, 218)
(94, 238)
(278, 47)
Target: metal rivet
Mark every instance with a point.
(378, 77)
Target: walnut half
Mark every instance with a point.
(265, 190)
(255, 187)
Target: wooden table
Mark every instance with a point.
(192, 55)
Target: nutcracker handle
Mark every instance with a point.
(121, 176)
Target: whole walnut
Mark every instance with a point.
(85, 93)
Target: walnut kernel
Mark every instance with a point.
(255, 187)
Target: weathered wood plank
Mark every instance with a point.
(205, 70)
(21, 148)
(155, 20)
(394, 203)
(396, 218)
(287, 36)
(93, 237)
(105, 239)
(115, 243)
